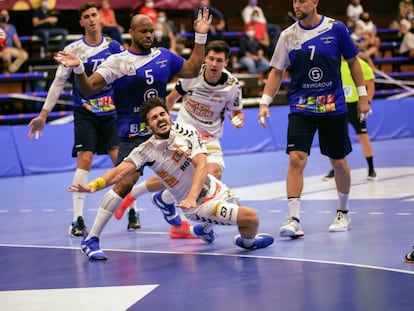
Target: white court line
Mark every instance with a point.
(223, 255)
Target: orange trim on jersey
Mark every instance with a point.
(218, 188)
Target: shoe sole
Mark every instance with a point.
(409, 258)
(75, 235)
(291, 234)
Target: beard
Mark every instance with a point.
(301, 15)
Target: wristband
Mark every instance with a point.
(98, 183)
(200, 38)
(266, 99)
(79, 69)
(362, 91)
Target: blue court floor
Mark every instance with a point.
(42, 268)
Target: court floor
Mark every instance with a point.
(42, 268)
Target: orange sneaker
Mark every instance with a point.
(127, 202)
(181, 232)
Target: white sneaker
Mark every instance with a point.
(340, 223)
(291, 229)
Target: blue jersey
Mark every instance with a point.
(136, 78)
(101, 103)
(314, 57)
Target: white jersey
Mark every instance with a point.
(171, 158)
(204, 105)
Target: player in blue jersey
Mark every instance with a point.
(312, 47)
(94, 116)
(140, 73)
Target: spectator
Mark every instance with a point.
(44, 23)
(218, 25)
(168, 34)
(260, 29)
(109, 24)
(363, 41)
(353, 13)
(407, 43)
(248, 10)
(405, 11)
(160, 40)
(252, 54)
(13, 54)
(148, 9)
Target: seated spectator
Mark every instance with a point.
(407, 43)
(13, 54)
(44, 23)
(218, 25)
(405, 11)
(365, 43)
(369, 30)
(110, 26)
(167, 33)
(252, 55)
(161, 40)
(353, 13)
(248, 10)
(260, 29)
(147, 9)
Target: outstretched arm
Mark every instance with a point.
(110, 177)
(192, 66)
(87, 85)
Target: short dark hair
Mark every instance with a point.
(218, 46)
(149, 105)
(85, 7)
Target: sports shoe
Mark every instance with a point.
(329, 176)
(170, 214)
(341, 222)
(372, 175)
(261, 240)
(133, 220)
(198, 230)
(91, 248)
(291, 229)
(409, 258)
(182, 232)
(126, 202)
(77, 228)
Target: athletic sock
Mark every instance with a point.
(78, 198)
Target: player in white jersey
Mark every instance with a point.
(94, 116)
(205, 100)
(177, 154)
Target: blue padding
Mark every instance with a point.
(52, 153)
(10, 163)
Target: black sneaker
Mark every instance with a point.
(409, 258)
(77, 228)
(133, 220)
(372, 175)
(329, 176)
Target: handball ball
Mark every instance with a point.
(3, 39)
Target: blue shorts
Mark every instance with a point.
(333, 134)
(93, 133)
(126, 145)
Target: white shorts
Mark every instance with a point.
(218, 207)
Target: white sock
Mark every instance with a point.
(78, 198)
(294, 207)
(139, 190)
(167, 197)
(109, 204)
(248, 242)
(343, 201)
